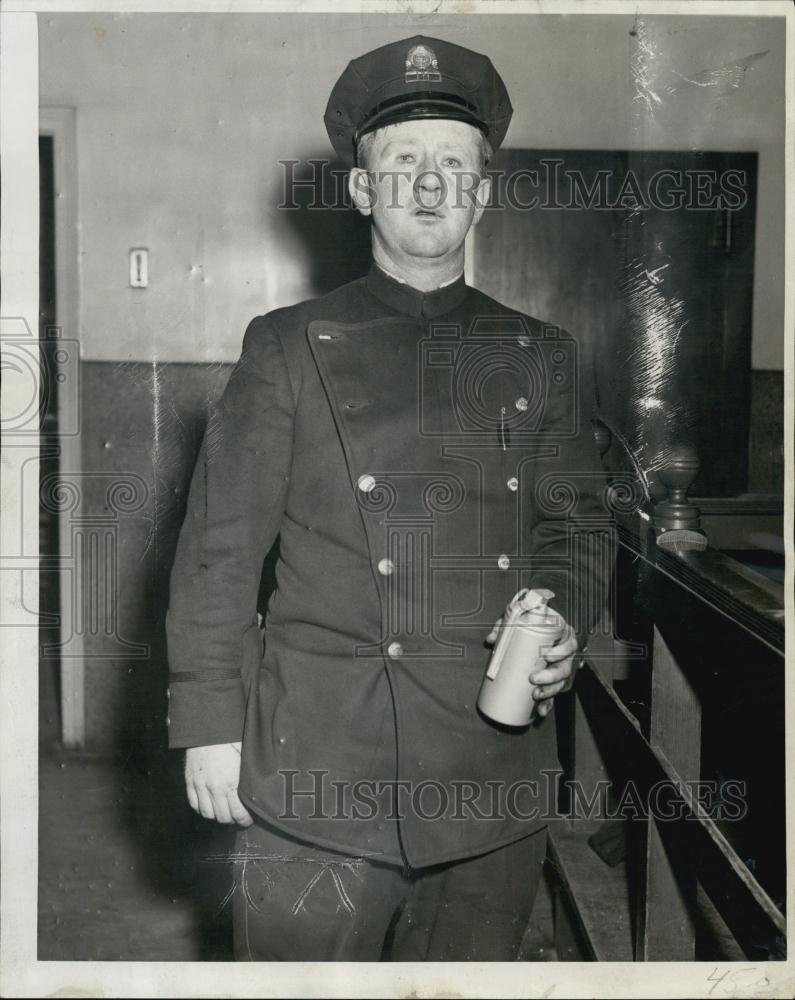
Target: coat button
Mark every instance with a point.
(386, 567)
(521, 404)
(168, 721)
(513, 484)
(524, 341)
(504, 562)
(395, 650)
(366, 483)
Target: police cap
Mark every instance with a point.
(416, 78)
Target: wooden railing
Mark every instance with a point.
(645, 888)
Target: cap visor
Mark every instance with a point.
(414, 109)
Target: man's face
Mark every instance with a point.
(422, 185)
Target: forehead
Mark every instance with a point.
(428, 132)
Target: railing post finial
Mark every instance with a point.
(675, 519)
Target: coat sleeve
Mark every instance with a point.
(234, 512)
(573, 538)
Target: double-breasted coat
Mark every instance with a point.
(421, 456)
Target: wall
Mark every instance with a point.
(182, 120)
(181, 123)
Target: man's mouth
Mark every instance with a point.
(427, 213)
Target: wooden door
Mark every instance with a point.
(647, 259)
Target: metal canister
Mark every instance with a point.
(529, 629)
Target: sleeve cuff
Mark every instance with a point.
(205, 713)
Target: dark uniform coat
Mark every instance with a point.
(422, 457)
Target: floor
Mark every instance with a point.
(126, 870)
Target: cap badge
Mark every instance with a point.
(421, 64)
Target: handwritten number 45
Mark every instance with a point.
(737, 983)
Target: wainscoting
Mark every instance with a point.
(142, 426)
(141, 430)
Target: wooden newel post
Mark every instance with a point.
(665, 929)
(676, 521)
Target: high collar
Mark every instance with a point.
(412, 301)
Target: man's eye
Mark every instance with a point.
(405, 158)
(451, 161)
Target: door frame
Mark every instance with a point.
(60, 123)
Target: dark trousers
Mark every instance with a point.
(294, 901)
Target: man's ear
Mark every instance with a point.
(482, 195)
(360, 189)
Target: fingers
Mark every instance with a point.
(211, 778)
(543, 696)
(566, 647)
(221, 807)
(548, 691)
(193, 798)
(492, 636)
(205, 803)
(554, 674)
(240, 814)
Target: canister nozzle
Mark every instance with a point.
(535, 599)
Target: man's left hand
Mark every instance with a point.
(556, 671)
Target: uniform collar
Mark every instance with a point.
(412, 301)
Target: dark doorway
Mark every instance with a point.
(49, 590)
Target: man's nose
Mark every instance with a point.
(429, 178)
(429, 184)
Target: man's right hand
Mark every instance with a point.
(211, 778)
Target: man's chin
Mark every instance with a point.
(428, 249)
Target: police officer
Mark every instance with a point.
(422, 452)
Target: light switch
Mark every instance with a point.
(139, 267)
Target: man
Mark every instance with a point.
(407, 439)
